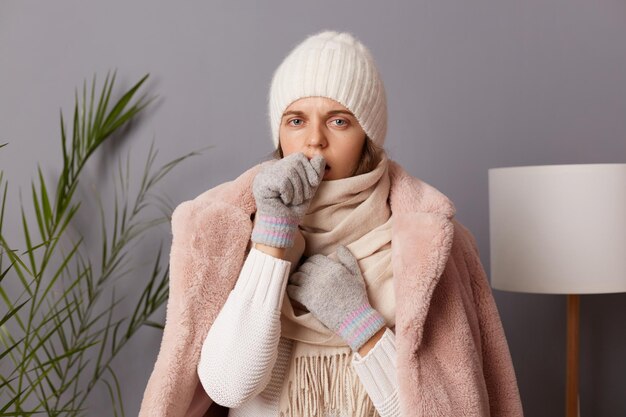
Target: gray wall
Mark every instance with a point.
(471, 85)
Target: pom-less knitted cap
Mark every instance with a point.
(334, 65)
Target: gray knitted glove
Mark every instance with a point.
(334, 292)
(283, 191)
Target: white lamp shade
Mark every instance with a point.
(558, 229)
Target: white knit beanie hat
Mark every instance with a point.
(334, 65)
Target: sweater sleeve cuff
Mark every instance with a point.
(263, 279)
(377, 369)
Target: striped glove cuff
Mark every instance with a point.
(360, 325)
(278, 232)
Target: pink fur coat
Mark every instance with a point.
(452, 355)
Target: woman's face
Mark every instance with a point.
(320, 125)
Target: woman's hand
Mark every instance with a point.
(334, 292)
(283, 191)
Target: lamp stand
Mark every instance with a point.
(573, 325)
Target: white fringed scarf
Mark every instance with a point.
(354, 212)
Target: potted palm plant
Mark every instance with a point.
(55, 344)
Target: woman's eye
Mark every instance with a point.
(296, 120)
(342, 122)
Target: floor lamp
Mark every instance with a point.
(559, 229)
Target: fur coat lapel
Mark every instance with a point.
(422, 237)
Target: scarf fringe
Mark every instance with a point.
(318, 380)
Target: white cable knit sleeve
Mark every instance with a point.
(377, 372)
(241, 346)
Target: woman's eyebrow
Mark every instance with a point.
(341, 112)
(301, 113)
(294, 112)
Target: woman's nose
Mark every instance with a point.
(316, 137)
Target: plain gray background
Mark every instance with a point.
(471, 85)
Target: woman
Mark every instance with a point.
(304, 242)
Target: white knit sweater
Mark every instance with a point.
(244, 358)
